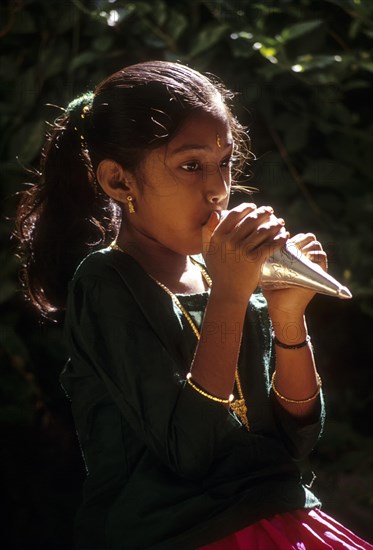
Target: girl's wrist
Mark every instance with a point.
(289, 329)
(231, 295)
(283, 315)
(227, 303)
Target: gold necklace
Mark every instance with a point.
(238, 406)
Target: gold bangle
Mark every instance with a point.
(208, 395)
(298, 401)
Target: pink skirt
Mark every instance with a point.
(299, 530)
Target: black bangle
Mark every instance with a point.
(294, 346)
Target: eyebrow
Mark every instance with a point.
(198, 147)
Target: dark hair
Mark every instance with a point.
(66, 215)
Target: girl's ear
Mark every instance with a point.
(114, 180)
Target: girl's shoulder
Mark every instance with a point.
(106, 263)
(110, 275)
(108, 279)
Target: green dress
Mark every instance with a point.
(166, 467)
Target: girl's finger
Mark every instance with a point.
(302, 239)
(258, 225)
(261, 217)
(271, 235)
(231, 220)
(318, 257)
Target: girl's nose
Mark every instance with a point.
(217, 185)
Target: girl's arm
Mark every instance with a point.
(296, 375)
(296, 383)
(234, 252)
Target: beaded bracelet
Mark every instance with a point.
(291, 346)
(208, 395)
(298, 401)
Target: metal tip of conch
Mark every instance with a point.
(289, 267)
(344, 293)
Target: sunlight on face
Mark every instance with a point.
(200, 152)
(184, 182)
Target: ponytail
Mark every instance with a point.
(64, 216)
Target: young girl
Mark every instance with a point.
(193, 395)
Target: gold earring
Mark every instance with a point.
(131, 208)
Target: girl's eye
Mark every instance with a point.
(191, 166)
(194, 165)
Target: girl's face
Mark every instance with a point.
(184, 182)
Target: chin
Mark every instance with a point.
(192, 248)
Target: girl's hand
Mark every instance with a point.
(294, 300)
(237, 244)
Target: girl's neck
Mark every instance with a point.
(174, 270)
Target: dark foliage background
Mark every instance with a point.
(303, 71)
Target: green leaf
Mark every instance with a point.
(368, 32)
(84, 58)
(207, 38)
(176, 24)
(310, 62)
(52, 61)
(103, 43)
(366, 65)
(299, 29)
(159, 12)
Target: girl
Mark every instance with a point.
(192, 399)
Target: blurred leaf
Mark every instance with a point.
(207, 38)
(84, 58)
(52, 61)
(103, 43)
(299, 29)
(366, 65)
(176, 24)
(159, 12)
(311, 62)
